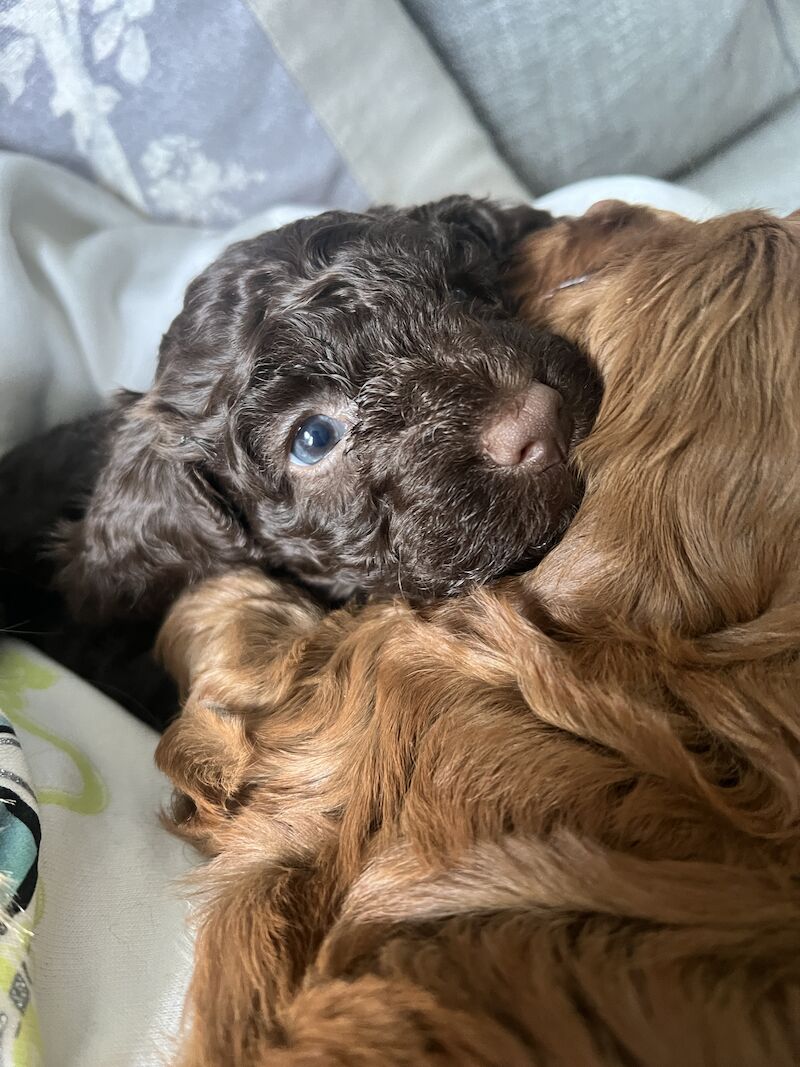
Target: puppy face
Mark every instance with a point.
(377, 370)
(351, 400)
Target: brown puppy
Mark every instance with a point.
(346, 401)
(554, 823)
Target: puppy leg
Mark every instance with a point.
(224, 642)
(234, 625)
(258, 932)
(378, 1022)
(247, 1006)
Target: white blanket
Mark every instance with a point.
(88, 288)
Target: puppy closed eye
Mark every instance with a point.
(315, 438)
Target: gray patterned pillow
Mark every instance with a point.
(206, 111)
(575, 88)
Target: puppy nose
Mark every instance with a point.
(531, 432)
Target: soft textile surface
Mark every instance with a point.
(573, 89)
(760, 169)
(206, 112)
(20, 834)
(89, 289)
(147, 97)
(111, 953)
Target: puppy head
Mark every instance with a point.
(348, 398)
(692, 468)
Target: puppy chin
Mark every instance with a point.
(539, 524)
(562, 505)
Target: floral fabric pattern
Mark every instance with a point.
(140, 96)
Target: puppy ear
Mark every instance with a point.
(153, 524)
(228, 642)
(498, 227)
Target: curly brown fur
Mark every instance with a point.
(392, 322)
(554, 823)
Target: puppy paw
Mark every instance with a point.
(232, 624)
(206, 755)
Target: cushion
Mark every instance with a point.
(760, 169)
(571, 89)
(207, 112)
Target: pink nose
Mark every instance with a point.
(532, 431)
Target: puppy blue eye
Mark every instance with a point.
(315, 438)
